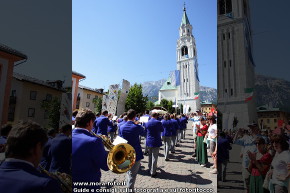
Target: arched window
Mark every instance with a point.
(184, 51)
(224, 6)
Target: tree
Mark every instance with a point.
(149, 105)
(135, 99)
(52, 108)
(169, 107)
(98, 104)
(164, 103)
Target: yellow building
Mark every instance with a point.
(269, 117)
(26, 98)
(86, 96)
(207, 107)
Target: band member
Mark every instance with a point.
(153, 139)
(112, 127)
(131, 132)
(60, 151)
(5, 129)
(201, 150)
(101, 124)
(174, 132)
(46, 159)
(146, 116)
(88, 153)
(18, 173)
(166, 135)
(183, 123)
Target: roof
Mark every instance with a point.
(57, 85)
(9, 50)
(78, 74)
(184, 20)
(100, 91)
(168, 85)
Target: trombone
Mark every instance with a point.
(121, 157)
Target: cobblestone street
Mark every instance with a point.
(182, 171)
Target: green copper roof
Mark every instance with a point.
(184, 20)
(168, 85)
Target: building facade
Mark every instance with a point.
(76, 77)
(27, 96)
(8, 58)
(236, 75)
(183, 86)
(207, 107)
(86, 97)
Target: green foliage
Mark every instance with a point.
(164, 103)
(53, 110)
(135, 99)
(98, 104)
(149, 105)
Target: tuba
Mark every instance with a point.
(121, 157)
(64, 179)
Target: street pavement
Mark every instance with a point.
(234, 180)
(182, 171)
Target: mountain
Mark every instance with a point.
(272, 90)
(151, 89)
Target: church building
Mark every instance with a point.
(182, 86)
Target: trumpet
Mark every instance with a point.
(121, 157)
(64, 179)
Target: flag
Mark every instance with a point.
(196, 95)
(248, 43)
(249, 94)
(175, 77)
(196, 68)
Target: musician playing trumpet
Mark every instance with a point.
(88, 153)
(201, 149)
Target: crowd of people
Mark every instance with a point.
(167, 130)
(265, 158)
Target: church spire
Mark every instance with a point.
(184, 20)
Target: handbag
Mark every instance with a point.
(266, 181)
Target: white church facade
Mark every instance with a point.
(182, 87)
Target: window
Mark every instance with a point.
(48, 97)
(187, 30)
(229, 35)
(33, 95)
(96, 97)
(225, 64)
(13, 93)
(194, 52)
(31, 112)
(168, 83)
(275, 120)
(230, 63)
(88, 96)
(232, 92)
(87, 104)
(224, 37)
(183, 80)
(225, 6)
(184, 51)
(187, 79)
(226, 90)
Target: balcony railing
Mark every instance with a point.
(12, 100)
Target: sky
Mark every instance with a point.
(136, 40)
(271, 40)
(42, 31)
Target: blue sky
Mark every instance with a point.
(136, 40)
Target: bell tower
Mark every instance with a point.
(236, 68)
(187, 65)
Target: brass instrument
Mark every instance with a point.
(121, 157)
(64, 179)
